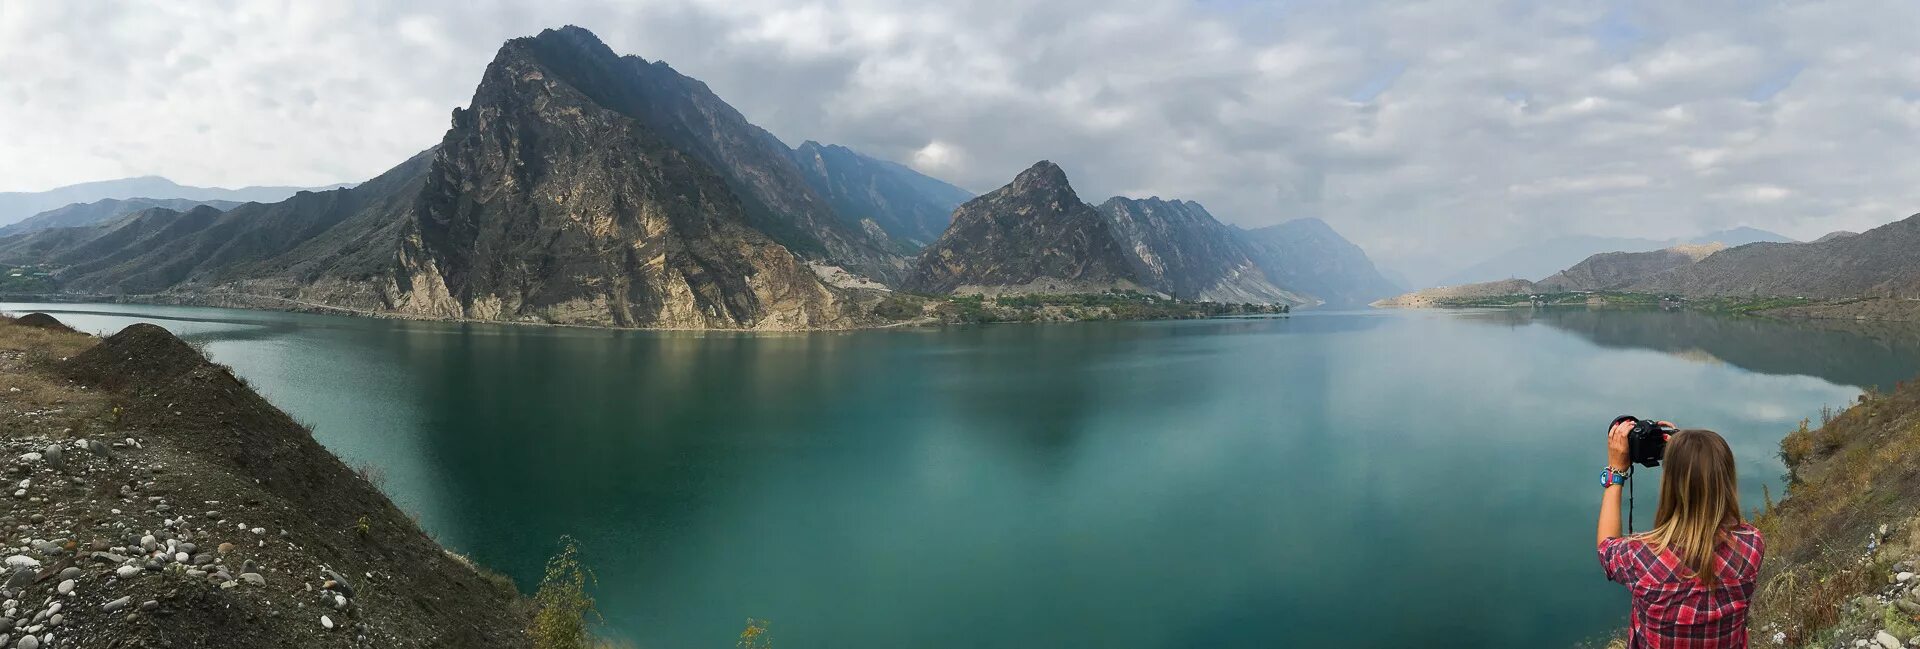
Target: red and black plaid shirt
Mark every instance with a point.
(1670, 609)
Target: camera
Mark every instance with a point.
(1647, 442)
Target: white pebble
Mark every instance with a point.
(326, 622)
(64, 587)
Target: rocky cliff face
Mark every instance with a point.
(774, 194)
(1178, 248)
(1876, 263)
(1609, 271)
(546, 203)
(1032, 236)
(1308, 256)
(911, 208)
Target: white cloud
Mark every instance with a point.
(1431, 133)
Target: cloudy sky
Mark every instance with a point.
(1432, 133)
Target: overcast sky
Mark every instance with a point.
(1431, 133)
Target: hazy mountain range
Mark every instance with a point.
(103, 210)
(1878, 263)
(1540, 259)
(584, 187)
(1036, 235)
(16, 206)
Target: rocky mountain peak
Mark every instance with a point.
(1043, 176)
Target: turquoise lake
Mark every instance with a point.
(1367, 479)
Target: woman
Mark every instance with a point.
(1692, 575)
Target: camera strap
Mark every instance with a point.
(1629, 498)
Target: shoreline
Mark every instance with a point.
(218, 302)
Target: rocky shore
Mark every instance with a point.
(154, 500)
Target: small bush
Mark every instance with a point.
(563, 603)
(898, 307)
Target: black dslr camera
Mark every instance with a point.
(1647, 442)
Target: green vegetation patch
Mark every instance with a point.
(26, 279)
(1108, 305)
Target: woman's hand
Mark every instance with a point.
(1617, 445)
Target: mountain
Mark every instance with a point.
(1736, 237)
(15, 206)
(913, 209)
(578, 187)
(1178, 248)
(774, 194)
(1836, 234)
(1616, 270)
(297, 249)
(1876, 263)
(103, 210)
(1308, 256)
(1543, 258)
(1032, 236)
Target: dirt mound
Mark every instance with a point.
(43, 321)
(303, 519)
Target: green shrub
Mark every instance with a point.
(898, 307)
(563, 603)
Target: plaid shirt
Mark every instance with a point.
(1670, 609)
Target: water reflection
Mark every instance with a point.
(1841, 351)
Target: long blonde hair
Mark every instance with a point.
(1699, 499)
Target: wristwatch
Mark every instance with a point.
(1610, 477)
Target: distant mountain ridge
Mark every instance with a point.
(1607, 271)
(1036, 236)
(912, 208)
(1307, 256)
(1878, 266)
(1617, 270)
(103, 210)
(1179, 248)
(1880, 262)
(16, 206)
(1538, 260)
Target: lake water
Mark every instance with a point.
(1360, 479)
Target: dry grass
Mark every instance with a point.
(57, 344)
(32, 400)
(1847, 478)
